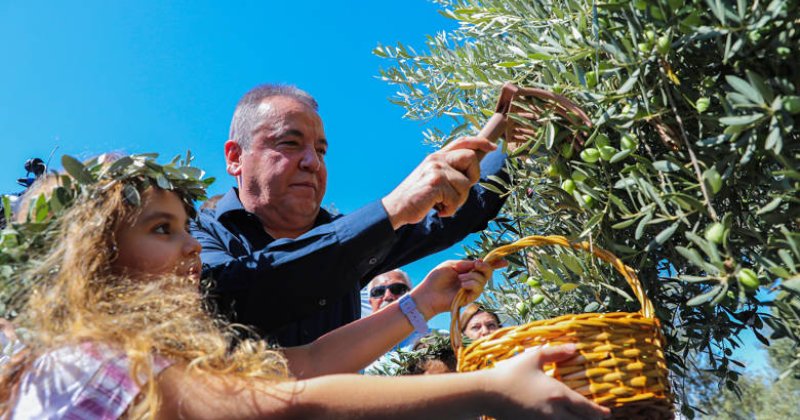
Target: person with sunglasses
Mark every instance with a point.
(383, 290)
(387, 288)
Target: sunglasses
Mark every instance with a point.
(396, 289)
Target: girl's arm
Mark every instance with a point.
(517, 388)
(352, 347)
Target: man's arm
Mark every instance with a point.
(292, 278)
(435, 233)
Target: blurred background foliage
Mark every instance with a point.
(689, 171)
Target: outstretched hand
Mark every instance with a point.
(441, 181)
(524, 390)
(435, 294)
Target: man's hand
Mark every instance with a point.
(523, 390)
(436, 293)
(442, 180)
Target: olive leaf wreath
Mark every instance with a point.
(22, 242)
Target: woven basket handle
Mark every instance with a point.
(534, 241)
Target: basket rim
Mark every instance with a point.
(646, 306)
(588, 316)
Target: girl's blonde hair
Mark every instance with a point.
(77, 299)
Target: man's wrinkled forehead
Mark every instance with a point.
(270, 116)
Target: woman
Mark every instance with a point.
(476, 322)
(121, 331)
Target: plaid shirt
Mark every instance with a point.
(87, 381)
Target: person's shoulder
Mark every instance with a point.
(84, 380)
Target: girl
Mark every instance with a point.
(120, 330)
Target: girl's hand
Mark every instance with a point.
(436, 293)
(523, 390)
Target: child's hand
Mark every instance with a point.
(436, 293)
(524, 390)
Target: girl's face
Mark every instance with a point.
(481, 325)
(158, 241)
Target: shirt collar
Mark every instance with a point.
(230, 203)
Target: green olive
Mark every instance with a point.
(601, 140)
(629, 141)
(522, 308)
(702, 104)
(590, 155)
(567, 150)
(533, 283)
(578, 176)
(552, 170)
(650, 35)
(748, 279)
(588, 199)
(607, 152)
(591, 79)
(568, 186)
(791, 104)
(714, 179)
(715, 233)
(663, 44)
(537, 299)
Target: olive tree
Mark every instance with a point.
(689, 170)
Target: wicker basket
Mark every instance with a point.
(622, 364)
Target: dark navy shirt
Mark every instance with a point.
(295, 290)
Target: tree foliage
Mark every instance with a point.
(689, 172)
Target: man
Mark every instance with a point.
(383, 290)
(387, 288)
(279, 263)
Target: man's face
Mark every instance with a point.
(282, 176)
(385, 283)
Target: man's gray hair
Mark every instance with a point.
(398, 271)
(246, 116)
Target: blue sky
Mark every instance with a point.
(151, 76)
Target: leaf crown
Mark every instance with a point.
(21, 242)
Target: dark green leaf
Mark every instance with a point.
(620, 156)
(740, 120)
(705, 297)
(76, 170)
(131, 195)
(792, 285)
(163, 182)
(665, 166)
(662, 237)
(772, 205)
(745, 89)
(624, 224)
(642, 224)
(120, 164)
(760, 84)
(629, 84)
